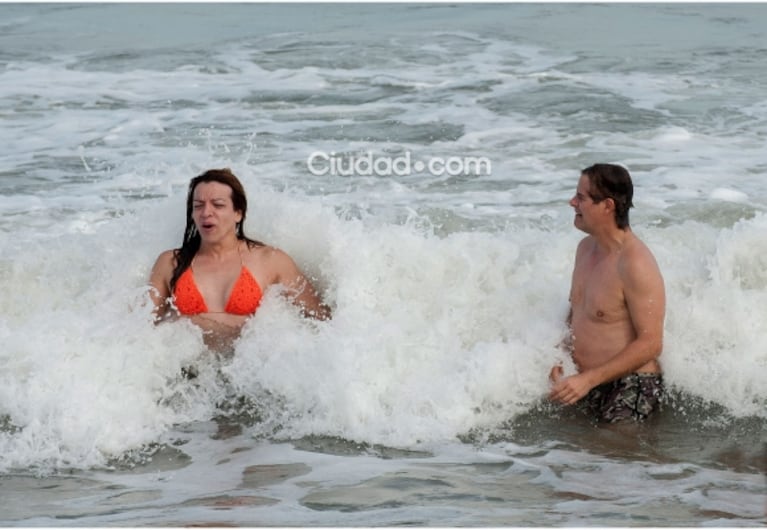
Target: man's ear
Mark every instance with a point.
(609, 204)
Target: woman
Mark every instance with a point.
(218, 276)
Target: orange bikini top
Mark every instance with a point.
(244, 300)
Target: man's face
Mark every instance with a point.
(586, 210)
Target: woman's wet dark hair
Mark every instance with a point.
(610, 181)
(191, 243)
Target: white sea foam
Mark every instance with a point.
(431, 336)
(726, 194)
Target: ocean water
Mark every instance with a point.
(422, 402)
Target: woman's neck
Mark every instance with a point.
(220, 249)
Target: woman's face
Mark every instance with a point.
(213, 212)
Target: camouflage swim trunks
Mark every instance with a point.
(633, 396)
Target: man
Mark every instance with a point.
(617, 305)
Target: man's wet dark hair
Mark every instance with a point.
(611, 181)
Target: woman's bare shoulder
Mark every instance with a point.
(162, 272)
(165, 262)
(167, 257)
(266, 252)
(270, 264)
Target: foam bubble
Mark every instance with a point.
(730, 195)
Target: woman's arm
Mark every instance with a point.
(299, 288)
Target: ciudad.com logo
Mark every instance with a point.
(369, 164)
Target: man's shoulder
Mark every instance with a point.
(637, 259)
(585, 244)
(637, 252)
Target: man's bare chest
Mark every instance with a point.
(597, 291)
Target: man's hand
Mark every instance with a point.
(569, 390)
